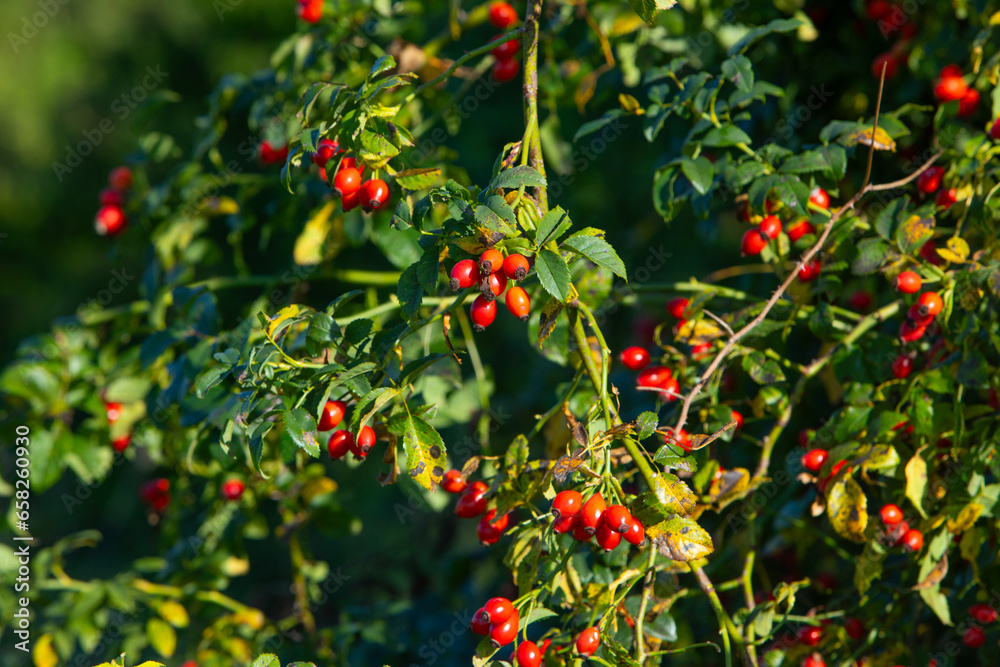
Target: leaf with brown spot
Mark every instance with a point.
(696, 332)
(914, 232)
(935, 576)
(728, 485)
(471, 466)
(698, 441)
(680, 539)
(847, 509)
(566, 465)
(965, 519)
(425, 452)
(673, 494)
(576, 429)
(548, 319)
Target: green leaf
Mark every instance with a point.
(300, 425)
(210, 378)
(700, 172)
(369, 405)
(872, 252)
(417, 179)
(777, 25)
(646, 423)
(428, 270)
(762, 369)
(727, 135)
(266, 660)
(594, 125)
(598, 251)
(425, 453)
(257, 443)
(916, 482)
(646, 9)
(382, 65)
(868, 567)
(553, 274)
(358, 330)
(739, 70)
(938, 603)
(402, 218)
(499, 205)
(548, 226)
(847, 509)
(805, 163)
(514, 178)
(516, 456)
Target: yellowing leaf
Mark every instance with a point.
(285, 314)
(728, 485)
(317, 487)
(418, 179)
(174, 613)
(218, 206)
(235, 567)
(882, 140)
(548, 319)
(915, 230)
(916, 482)
(625, 24)
(675, 496)
(309, 244)
(680, 539)
(630, 105)
(958, 246)
(696, 332)
(935, 575)
(252, 618)
(847, 509)
(43, 653)
(151, 663)
(425, 453)
(161, 636)
(965, 519)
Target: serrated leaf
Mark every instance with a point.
(516, 177)
(418, 179)
(698, 331)
(646, 9)
(516, 456)
(764, 370)
(673, 494)
(872, 252)
(553, 274)
(425, 452)
(266, 660)
(914, 232)
(680, 539)
(727, 135)
(847, 509)
(301, 427)
(938, 603)
(777, 25)
(739, 70)
(646, 425)
(916, 482)
(161, 636)
(282, 318)
(499, 205)
(409, 292)
(548, 227)
(598, 251)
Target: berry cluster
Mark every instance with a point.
(951, 86)
(372, 194)
(110, 219)
(343, 441)
(114, 412)
(898, 531)
(270, 153)
(769, 228)
(499, 619)
(491, 274)
(594, 518)
(472, 503)
(930, 181)
(310, 11)
(156, 494)
(503, 17)
(920, 315)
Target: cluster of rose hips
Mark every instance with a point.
(769, 228)
(156, 493)
(499, 618)
(503, 17)
(342, 441)
(114, 411)
(310, 11)
(372, 194)
(491, 274)
(951, 86)
(894, 15)
(472, 503)
(110, 219)
(922, 313)
(930, 181)
(898, 531)
(974, 636)
(270, 154)
(594, 518)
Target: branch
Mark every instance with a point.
(532, 138)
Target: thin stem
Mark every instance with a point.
(532, 137)
(726, 627)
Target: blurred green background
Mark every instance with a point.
(59, 82)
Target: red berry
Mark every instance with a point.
(917, 317)
(607, 538)
(930, 303)
(350, 202)
(502, 15)
(565, 524)
(617, 518)
(310, 11)
(670, 389)
(945, 198)
(464, 274)
(232, 489)
(111, 197)
(820, 198)
(545, 646)
(860, 301)
(810, 635)
(518, 303)
(908, 282)
(588, 641)
(504, 633)
(491, 260)
(913, 540)
(654, 376)
(121, 443)
(478, 625)
(515, 266)
(120, 178)
(798, 229)
(969, 103)
(507, 50)
(483, 313)
(950, 86)
(810, 271)
(770, 227)
(889, 61)
(347, 181)
(930, 179)
(528, 654)
(929, 252)
(995, 129)
(854, 627)
(677, 306)
(452, 482)
(472, 502)
(974, 637)
(814, 660)
(505, 70)
(753, 242)
(739, 419)
(983, 613)
(814, 459)
(909, 333)
(114, 411)
(156, 493)
(591, 513)
(332, 415)
(493, 285)
(700, 351)
(110, 221)
(324, 151)
(340, 443)
(876, 9)
(636, 532)
(634, 358)
(902, 366)
(490, 531)
(374, 194)
(271, 154)
(364, 442)
(567, 503)
(580, 532)
(891, 514)
(682, 439)
(497, 610)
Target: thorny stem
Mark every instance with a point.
(532, 137)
